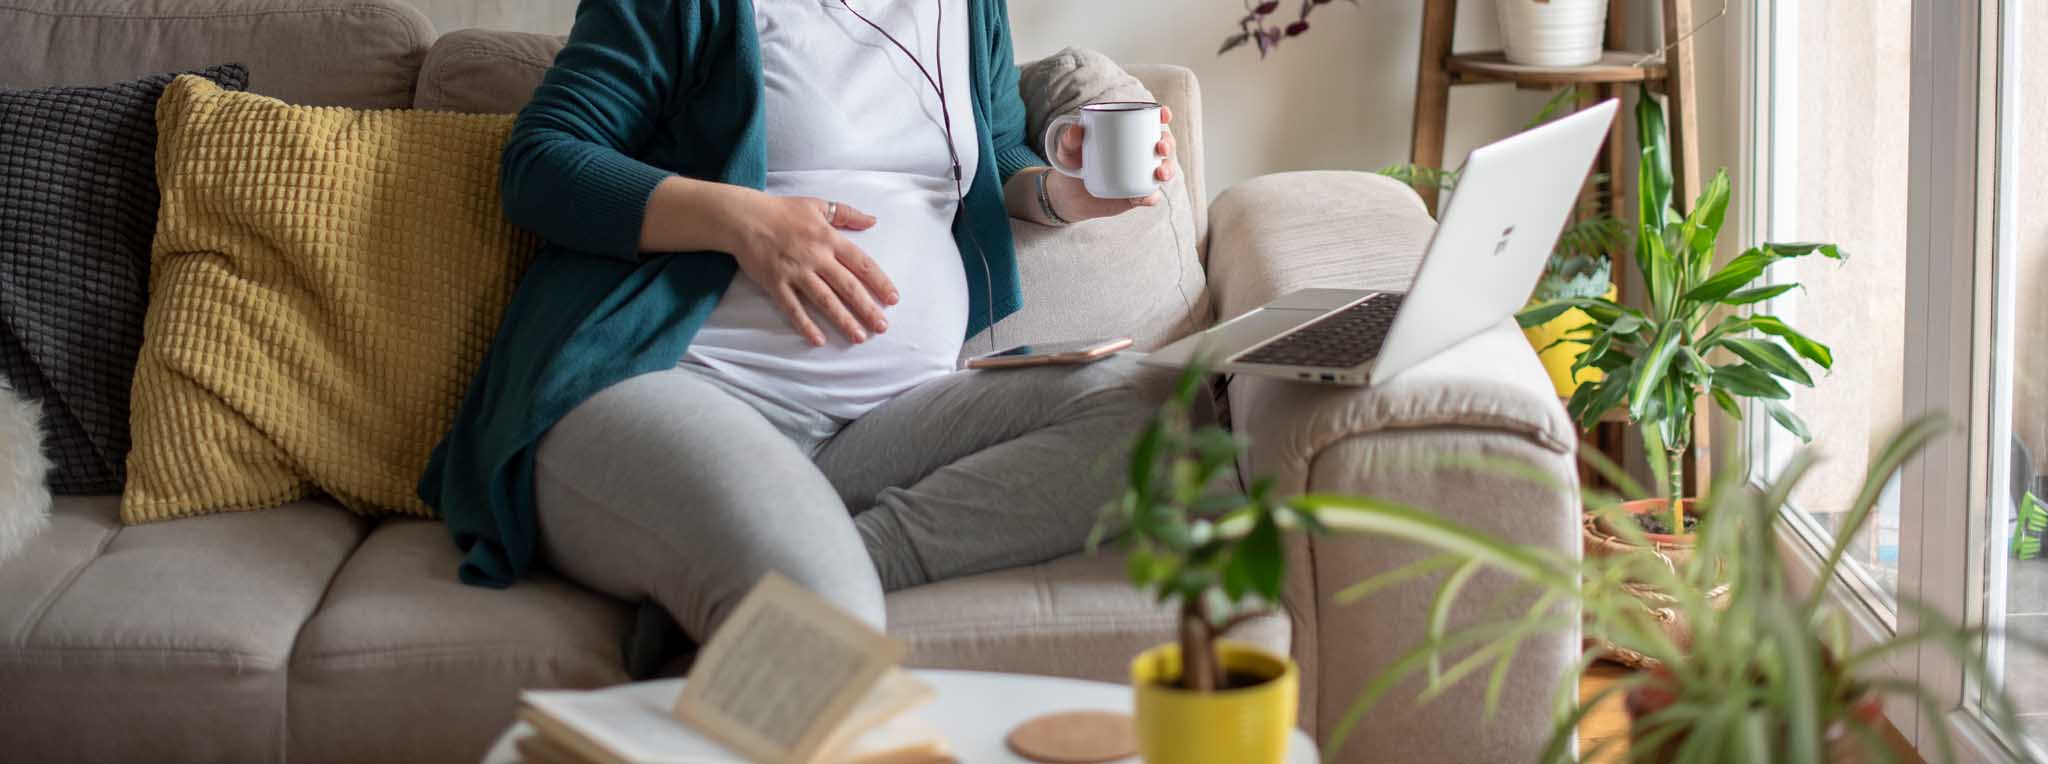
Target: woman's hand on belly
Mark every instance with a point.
(789, 247)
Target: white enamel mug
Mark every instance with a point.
(1118, 151)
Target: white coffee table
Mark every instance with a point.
(976, 710)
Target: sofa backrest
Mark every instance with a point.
(359, 53)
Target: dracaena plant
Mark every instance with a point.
(1768, 671)
(1692, 340)
(1191, 538)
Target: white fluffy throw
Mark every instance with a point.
(24, 471)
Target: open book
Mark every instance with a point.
(788, 679)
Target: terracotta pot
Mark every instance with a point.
(1602, 540)
(1844, 746)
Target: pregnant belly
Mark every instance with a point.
(749, 342)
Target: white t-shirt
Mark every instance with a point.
(850, 119)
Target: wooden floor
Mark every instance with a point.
(1607, 722)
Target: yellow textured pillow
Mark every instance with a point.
(324, 283)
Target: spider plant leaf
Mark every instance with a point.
(1794, 648)
(1402, 668)
(1909, 440)
(1352, 514)
(1557, 748)
(1380, 581)
(1440, 610)
(1929, 705)
(1610, 471)
(1497, 680)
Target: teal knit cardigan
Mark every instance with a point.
(646, 89)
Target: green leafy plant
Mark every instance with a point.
(1580, 266)
(1659, 362)
(1192, 538)
(1769, 672)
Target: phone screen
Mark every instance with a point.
(1050, 348)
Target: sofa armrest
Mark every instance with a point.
(1413, 440)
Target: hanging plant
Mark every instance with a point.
(1261, 27)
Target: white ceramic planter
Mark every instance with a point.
(1553, 32)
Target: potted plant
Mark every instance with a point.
(1691, 343)
(1219, 555)
(1553, 32)
(1764, 673)
(1575, 272)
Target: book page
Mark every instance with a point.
(782, 674)
(623, 724)
(895, 692)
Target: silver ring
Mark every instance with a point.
(831, 212)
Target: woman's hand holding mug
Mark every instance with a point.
(1108, 158)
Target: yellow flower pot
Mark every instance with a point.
(1558, 360)
(1245, 725)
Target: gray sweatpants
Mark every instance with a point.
(678, 488)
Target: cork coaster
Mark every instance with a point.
(1076, 737)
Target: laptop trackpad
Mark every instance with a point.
(1253, 328)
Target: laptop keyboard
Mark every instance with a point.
(1340, 340)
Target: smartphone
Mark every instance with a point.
(1050, 354)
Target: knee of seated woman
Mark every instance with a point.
(1123, 384)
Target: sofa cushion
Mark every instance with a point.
(479, 71)
(181, 631)
(399, 640)
(78, 204)
(325, 283)
(361, 53)
(1077, 616)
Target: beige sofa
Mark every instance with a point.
(309, 634)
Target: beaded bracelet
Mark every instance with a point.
(1045, 200)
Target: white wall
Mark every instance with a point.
(1340, 97)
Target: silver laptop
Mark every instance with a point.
(1513, 199)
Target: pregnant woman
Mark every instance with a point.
(770, 226)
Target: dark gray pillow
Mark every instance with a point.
(78, 201)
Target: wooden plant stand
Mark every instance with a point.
(1613, 76)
